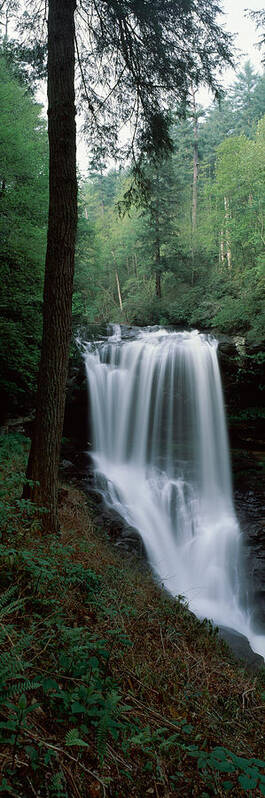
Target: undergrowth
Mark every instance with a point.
(107, 686)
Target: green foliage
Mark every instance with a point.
(198, 286)
(17, 515)
(250, 772)
(72, 683)
(57, 787)
(61, 699)
(76, 655)
(108, 721)
(23, 205)
(211, 277)
(73, 738)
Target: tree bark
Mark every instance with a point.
(158, 285)
(59, 268)
(222, 248)
(228, 247)
(195, 180)
(3, 187)
(157, 243)
(195, 164)
(117, 281)
(118, 289)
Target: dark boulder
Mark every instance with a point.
(241, 648)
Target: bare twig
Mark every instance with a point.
(162, 641)
(11, 643)
(65, 753)
(117, 758)
(83, 80)
(247, 694)
(126, 670)
(153, 712)
(31, 785)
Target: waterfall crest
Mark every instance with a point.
(160, 441)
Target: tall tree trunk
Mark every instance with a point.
(118, 289)
(195, 165)
(59, 269)
(195, 180)
(227, 235)
(158, 285)
(222, 248)
(3, 187)
(117, 281)
(102, 203)
(157, 243)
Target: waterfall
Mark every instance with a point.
(161, 459)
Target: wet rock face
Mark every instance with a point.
(249, 496)
(241, 648)
(243, 373)
(248, 468)
(76, 418)
(76, 425)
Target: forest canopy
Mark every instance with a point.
(163, 260)
(210, 256)
(23, 228)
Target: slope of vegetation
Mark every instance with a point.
(109, 687)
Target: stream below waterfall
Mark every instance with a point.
(161, 460)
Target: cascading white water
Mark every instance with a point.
(159, 439)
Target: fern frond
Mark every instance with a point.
(14, 606)
(10, 668)
(4, 598)
(72, 738)
(107, 722)
(18, 689)
(57, 786)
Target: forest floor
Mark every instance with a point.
(108, 686)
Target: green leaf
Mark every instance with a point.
(187, 728)
(77, 709)
(247, 782)
(4, 787)
(49, 684)
(222, 767)
(72, 738)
